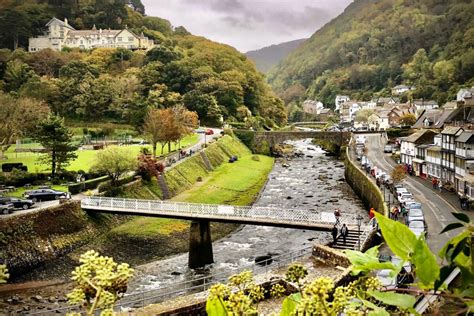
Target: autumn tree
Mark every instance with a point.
(408, 119)
(186, 121)
(156, 122)
(56, 138)
(19, 118)
(398, 174)
(363, 115)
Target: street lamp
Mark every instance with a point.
(359, 223)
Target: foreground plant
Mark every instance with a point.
(100, 282)
(4, 275)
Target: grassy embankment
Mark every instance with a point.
(238, 183)
(84, 159)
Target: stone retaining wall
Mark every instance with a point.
(330, 256)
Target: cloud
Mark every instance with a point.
(248, 24)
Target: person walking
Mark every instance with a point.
(440, 185)
(371, 213)
(433, 182)
(404, 212)
(337, 214)
(334, 232)
(344, 232)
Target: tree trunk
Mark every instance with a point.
(169, 147)
(53, 164)
(15, 41)
(154, 150)
(162, 147)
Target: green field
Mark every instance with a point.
(238, 183)
(85, 157)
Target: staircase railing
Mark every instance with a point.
(365, 235)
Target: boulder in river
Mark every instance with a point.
(263, 260)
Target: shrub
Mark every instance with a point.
(255, 158)
(87, 185)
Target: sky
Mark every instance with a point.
(248, 24)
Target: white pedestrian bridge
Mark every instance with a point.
(251, 215)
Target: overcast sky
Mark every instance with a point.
(248, 24)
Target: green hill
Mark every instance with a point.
(376, 44)
(106, 84)
(267, 57)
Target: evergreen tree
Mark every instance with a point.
(57, 140)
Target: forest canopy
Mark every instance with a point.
(213, 79)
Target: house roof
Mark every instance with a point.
(401, 86)
(434, 148)
(451, 130)
(465, 136)
(423, 146)
(424, 102)
(418, 136)
(62, 23)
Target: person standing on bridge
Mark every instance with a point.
(334, 232)
(344, 232)
(337, 214)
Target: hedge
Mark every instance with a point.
(86, 185)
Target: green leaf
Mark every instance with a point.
(443, 274)
(289, 304)
(367, 262)
(461, 216)
(426, 266)
(399, 237)
(404, 301)
(451, 227)
(215, 307)
(461, 258)
(376, 310)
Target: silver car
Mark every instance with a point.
(417, 227)
(415, 215)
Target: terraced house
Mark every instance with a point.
(61, 34)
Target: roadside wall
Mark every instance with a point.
(29, 240)
(367, 190)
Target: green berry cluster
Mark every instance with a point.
(296, 272)
(4, 275)
(277, 290)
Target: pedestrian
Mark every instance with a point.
(404, 212)
(371, 213)
(440, 185)
(394, 212)
(337, 214)
(344, 232)
(334, 234)
(433, 182)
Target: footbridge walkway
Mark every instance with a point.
(251, 215)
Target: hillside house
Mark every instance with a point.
(408, 145)
(401, 89)
(60, 34)
(422, 105)
(312, 106)
(464, 162)
(448, 153)
(340, 99)
(464, 93)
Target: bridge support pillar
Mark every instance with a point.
(200, 244)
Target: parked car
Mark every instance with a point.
(6, 207)
(44, 195)
(388, 149)
(417, 227)
(17, 202)
(388, 280)
(405, 197)
(415, 215)
(412, 205)
(400, 190)
(209, 132)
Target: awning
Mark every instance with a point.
(418, 160)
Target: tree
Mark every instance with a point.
(363, 115)
(186, 121)
(56, 138)
(398, 174)
(408, 119)
(19, 118)
(100, 282)
(154, 127)
(114, 161)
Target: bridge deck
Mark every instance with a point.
(252, 215)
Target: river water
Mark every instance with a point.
(311, 182)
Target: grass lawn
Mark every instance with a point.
(19, 192)
(85, 158)
(238, 183)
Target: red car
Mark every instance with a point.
(209, 132)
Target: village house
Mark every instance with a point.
(401, 89)
(433, 119)
(464, 161)
(348, 110)
(433, 158)
(448, 154)
(340, 99)
(60, 34)
(312, 106)
(464, 93)
(381, 101)
(421, 105)
(408, 145)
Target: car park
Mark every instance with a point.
(44, 195)
(415, 215)
(17, 202)
(417, 227)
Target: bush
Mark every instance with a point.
(255, 158)
(87, 185)
(19, 178)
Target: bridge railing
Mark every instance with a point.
(195, 210)
(365, 235)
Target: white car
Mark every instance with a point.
(417, 227)
(405, 197)
(415, 215)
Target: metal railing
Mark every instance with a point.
(209, 211)
(364, 236)
(196, 285)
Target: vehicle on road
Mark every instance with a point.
(417, 227)
(415, 215)
(405, 197)
(390, 281)
(388, 149)
(17, 202)
(412, 205)
(209, 132)
(6, 207)
(44, 195)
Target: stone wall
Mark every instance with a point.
(330, 256)
(366, 189)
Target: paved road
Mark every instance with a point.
(43, 205)
(437, 210)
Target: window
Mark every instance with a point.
(130, 38)
(119, 39)
(81, 42)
